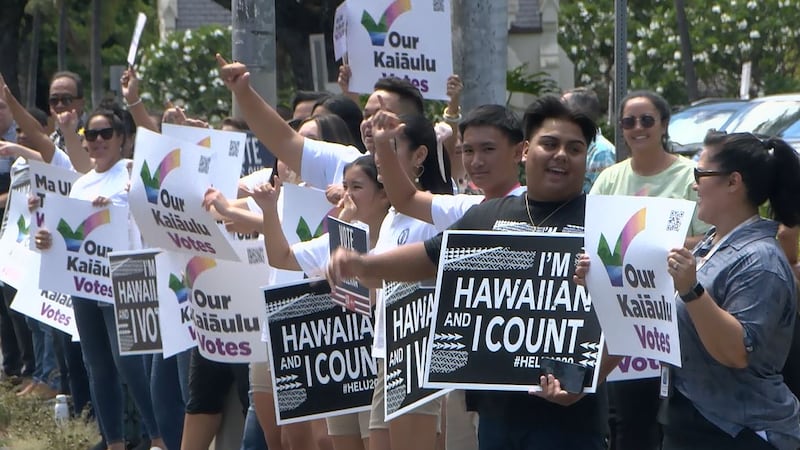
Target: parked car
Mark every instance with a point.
(770, 115)
(688, 127)
(791, 135)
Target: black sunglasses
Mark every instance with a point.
(629, 122)
(105, 133)
(700, 173)
(65, 100)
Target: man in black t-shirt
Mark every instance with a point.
(554, 170)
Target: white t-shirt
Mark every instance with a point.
(313, 255)
(447, 209)
(396, 230)
(112, 184)
(322, 163)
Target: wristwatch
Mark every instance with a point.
(696, 292)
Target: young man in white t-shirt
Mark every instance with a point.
(319, 163)
(492, 145)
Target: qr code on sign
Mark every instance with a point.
(675, 220)
(256, 256)
(205, 162)
(438, 5)
(233, 150)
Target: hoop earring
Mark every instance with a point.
(421, 171)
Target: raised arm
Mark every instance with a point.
(263, 120)
(34, 131)
(405, 263)
(243, 219)
(130, 91)
(67, 121)
(279, 252)
(403, 195)
(344, 82)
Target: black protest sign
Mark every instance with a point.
(350, 293)
(320, 354)
(133, 276)
(504, 301)
(409, 308)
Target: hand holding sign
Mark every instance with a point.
(43, 240)
(552, 392)
(130, 86)
(234, 75)
(682, 267)
(581, 269)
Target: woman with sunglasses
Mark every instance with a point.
(654, 172)
(106, 183)
(738, 304)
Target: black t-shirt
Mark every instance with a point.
(590, 414)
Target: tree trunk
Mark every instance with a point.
(481, 58)
(686, 50)
(33, 64)
(96, 64)
(62, 35)
(10, 25)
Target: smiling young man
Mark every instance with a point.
(554, 169)
(492, 146)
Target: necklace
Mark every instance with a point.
(541, 222)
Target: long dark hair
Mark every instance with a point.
(770, 170)
(349, 111)
(367, 165)
(332, 129)
(419, 131)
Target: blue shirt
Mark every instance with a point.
(601, 154)
(750, 278)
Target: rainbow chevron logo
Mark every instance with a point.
(613, 261)
(196, 266)
(74, 237)
(23, 229)
(153, 181)
(378, 30)
(178, 285)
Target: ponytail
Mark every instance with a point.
(784, 193)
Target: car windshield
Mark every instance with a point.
(768, 117)
(691, 125)
(793, 132)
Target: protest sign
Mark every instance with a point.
(175, 309)
(303, 212)
(133, 276)
(227, 306)
(340, 32)
(256, 156)
(409, 308)
(627, 240)
(169, 180)
(408, 39)
(319, 354)
(141, 20)
(47, 179)
(350, 293)
(14, 236)
(504, 301)
(227, 146)
(635, 368)
(50, 308)
(82, 237)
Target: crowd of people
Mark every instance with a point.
(409, 180)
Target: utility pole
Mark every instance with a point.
(480, 50)
(253, 39)
(620, 71)
(686, 50)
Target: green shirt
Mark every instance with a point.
(675, 181)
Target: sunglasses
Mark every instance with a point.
(65, 100)
(629, 122)
(105, 133)
(700, 173)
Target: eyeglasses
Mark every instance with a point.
(65, 100)
(700, 173)
(105, 133)
(629, 122)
